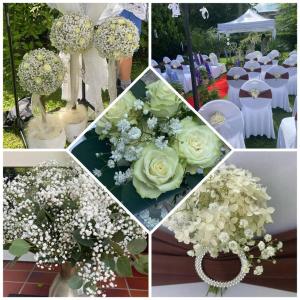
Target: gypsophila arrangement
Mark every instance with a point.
(41, 72)
(228, 214)
(116, 37)
(72, 33)
(158, 139)
(62, 216)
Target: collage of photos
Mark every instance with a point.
(149, 149)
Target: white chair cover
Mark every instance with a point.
(166, 60)
(291, 66)
(277, 78)
(175, 64)
(274, 55)
(180, 58)
(287, 133)
(236, 77)
(265, 63)
(232, 129)
(214, 61)
(292, 52)
(154, 63)
(256, 102)
(253, 69)
(293, 58)
(255, 55)
(295, 107)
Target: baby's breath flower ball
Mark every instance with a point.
(41, 72)
(116, 37)
(72, 33)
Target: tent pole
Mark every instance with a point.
(190, 54)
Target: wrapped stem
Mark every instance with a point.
(74, 78)
(112, 79)
(37, 107)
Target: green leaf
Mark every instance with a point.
(123, 267)
(75, 282)
(137, 246)
(19, 247)
(117, 248)
(118, 236)
(109, 261)
(87, 243)
(141, 264)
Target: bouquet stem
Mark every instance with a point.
(216, 291)
(38, 107)
(74, 78)
(112, 79)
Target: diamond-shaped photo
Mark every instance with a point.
(64, 235)
(235, 235)
(149, 149)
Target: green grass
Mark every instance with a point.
(11, 136)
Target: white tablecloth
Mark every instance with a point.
(287, 133)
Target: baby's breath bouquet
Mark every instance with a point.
(159, 140)
(72, 33)
(116, 38)
(41, 72)
(227, 213)
(65, 219)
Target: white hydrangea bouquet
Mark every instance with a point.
(157, 140)
(41, 73)
(66, 220)
(227, 214)
(115, 38)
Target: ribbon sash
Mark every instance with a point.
(267, 94)
(282, 76)
(289, 66)
(268, 63)
(257, 70)
(242, 77)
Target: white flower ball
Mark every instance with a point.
(72, 33)
(41, 72)
(116, 37)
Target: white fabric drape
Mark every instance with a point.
(287, 133)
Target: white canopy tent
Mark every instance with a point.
(250, 21)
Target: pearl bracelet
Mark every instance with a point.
(220, 284)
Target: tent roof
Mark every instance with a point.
(266, 7)
(250, 21)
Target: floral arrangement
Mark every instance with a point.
(63, 217)
(72, 33)
(159, 140)
(228, 213)
(41, 72)
(116, 37)
(217, 118)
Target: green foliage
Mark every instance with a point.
(19, 247)
(75, 282)
(123, 266)
(167, 32)
(286, 25)
(137, 246)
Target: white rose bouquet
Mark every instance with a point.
(227, 214)
(158, 139)
(65, 219)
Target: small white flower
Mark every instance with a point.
(261, 245)
(224, 237)
(97, 172)
(279, 245)
(111, 163)
(123, 125)
(248, 233)
(161, 143)
(233, 245)
(134, 133)
(258, 270)
(268, 237)
(138, 104)
(191, 253)
(152, 122)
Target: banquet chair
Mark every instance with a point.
(274, 55)
(291, 65)
(180, 58)
(277, 77)
(253, 69)
(154, 63)
(256, 105)
(295, 107)
(292, 52)
(214, 60)
(236, 77)
(265, 64)
(255, 55)
(166, 60)
(231, 123)
(287, 133)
